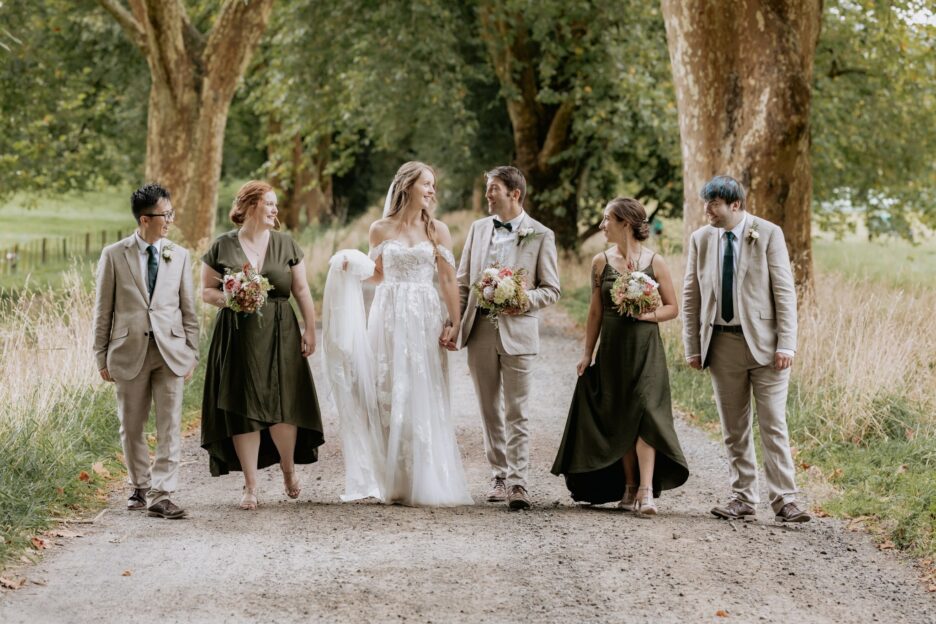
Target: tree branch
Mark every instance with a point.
(126, 20)
(557, 136)
(232, 41)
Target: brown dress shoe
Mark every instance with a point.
(792, 513)
(498, 493)
(137, 499)
(517, 498)
(734, 510)
(165, 509)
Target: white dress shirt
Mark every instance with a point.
(737, 230)
(502, 241)
(144, 257)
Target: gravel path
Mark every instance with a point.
(317, 560)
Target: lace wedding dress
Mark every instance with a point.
(391, 387)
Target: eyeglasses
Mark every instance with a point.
(168, 216)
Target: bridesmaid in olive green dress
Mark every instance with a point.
(259, 406)
(619, 441)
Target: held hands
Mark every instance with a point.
(448, 336)
(307, 343)
(695, 362)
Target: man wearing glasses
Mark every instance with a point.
(146, 342)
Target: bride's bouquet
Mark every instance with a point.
(635, 293)
(502, 289)
(246, 290)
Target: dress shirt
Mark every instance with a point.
(502, 241)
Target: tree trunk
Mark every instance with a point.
(742, 72)
(540, 132)
(194, 76)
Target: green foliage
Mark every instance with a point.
(874, 141)
(73, 97)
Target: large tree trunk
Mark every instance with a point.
(194, 76)
(742, 71)
(540, 133)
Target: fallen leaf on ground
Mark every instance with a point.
(100, 470)
(127, 573)
(60, 491)
(721, 613)
(12, 583)
(39, 582)
(931, 588)
(38, 543)
(821, 513)
(886, 545)
(83, 476)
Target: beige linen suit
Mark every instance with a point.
(504, 356)
(147, 345)
(765, 306)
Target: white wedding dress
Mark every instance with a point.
(391, 387)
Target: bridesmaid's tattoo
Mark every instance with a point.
(596, 277)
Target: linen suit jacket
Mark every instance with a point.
(124, 311)
(537, 254)
(765, 298)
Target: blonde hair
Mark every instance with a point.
(404, 180)
(246, 199)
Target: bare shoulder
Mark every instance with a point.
(379, 231)
(441, 228)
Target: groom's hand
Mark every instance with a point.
(695, 362)
(782, 361)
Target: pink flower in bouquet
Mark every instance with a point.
(245, 291)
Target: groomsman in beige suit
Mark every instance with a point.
(146, 342)
(739, 320)
(502, 357)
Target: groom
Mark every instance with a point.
(739, 320)
(146, 342)
(503, 356)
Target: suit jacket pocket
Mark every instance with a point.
(178, 333)
(120, 333)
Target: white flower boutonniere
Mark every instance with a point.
(753, 233)
(526, 234)
(167, 252)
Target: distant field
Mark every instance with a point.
(886, 260)
(26, 218)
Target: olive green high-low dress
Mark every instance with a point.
(625, 394)
(256, 376)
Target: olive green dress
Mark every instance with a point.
(625, 394)
(256, 376)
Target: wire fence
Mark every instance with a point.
(25, 257)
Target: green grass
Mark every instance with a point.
(26, 218)
(888, 261)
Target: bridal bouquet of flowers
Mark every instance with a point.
(502, 289)
(635, 293)
(246, 290)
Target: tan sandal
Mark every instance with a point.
(249, 499)
(630, 494)
(292, 485)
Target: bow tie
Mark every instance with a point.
(506, 226)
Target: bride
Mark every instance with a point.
(391, 386)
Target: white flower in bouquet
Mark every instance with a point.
(505, 291)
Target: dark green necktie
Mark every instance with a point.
(727, 279)
(152, 265)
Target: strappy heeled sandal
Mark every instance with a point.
(249, 499)
(644, 505)
(291, 484)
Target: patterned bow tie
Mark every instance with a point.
(506, 226)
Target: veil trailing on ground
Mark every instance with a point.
(349, 368)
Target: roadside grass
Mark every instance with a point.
(59, 435)
(862, 406)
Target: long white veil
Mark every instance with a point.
(348, 363)
(387, 200)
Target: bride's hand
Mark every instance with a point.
(584, 363)
(307, 343)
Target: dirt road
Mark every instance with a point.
(317, 560)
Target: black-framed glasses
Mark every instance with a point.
(168, 215)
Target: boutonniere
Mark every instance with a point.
(753, 234)
(167, 252)
(526, 234)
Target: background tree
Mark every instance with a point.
(194, 74)
(743, 78)
(874, 102)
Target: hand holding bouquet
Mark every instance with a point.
(502, 290)
(245, 291)
(635, 293)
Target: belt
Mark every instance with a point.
(727, 329)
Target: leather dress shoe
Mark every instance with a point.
(517, 498)
(137, 499)
(735, 510)
(165, 509)
(792, 513)
(498, 493)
